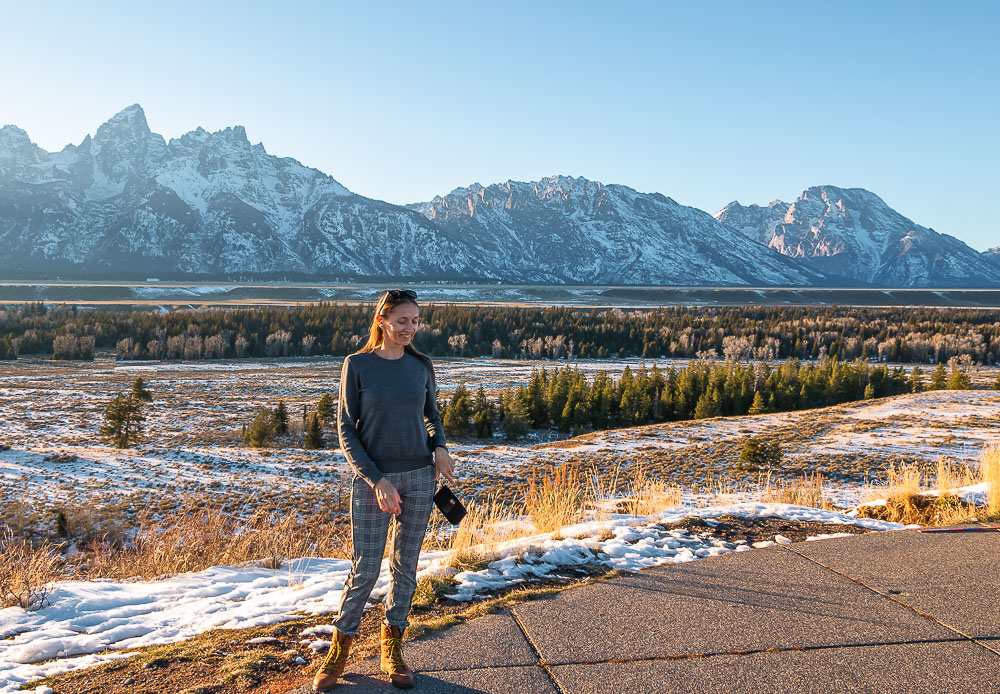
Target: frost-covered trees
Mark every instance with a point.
(907, 335)
(6, 348)
(276, 344)
(73, 347)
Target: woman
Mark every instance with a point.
(391, 433)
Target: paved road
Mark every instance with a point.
(894, 611)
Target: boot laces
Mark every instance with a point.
(394, 648)
(330, 664)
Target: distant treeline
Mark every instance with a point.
(567, 399)
(919, 335)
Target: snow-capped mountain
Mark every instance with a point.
(853, 233)
(127, 203)
(564, 229)
(205, 203)
(992, 255)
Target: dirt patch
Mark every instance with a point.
(751, 530)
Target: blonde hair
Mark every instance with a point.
(387, 303)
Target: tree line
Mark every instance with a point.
(752, 333)
(566, 399)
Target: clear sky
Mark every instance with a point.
(706, 102)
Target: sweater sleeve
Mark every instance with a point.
(347, 426)
(435, 430)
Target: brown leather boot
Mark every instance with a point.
(333, 667)
(392, 657)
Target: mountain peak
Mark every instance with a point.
(132, 116)
(235, 132)
(852, 233)
(12, 137)
(129, 123)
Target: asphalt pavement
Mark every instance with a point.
(898, 611)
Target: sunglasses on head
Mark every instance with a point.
(402, 294)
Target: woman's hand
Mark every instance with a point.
(387, 497)
(443, 464)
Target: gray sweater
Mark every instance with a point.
(388, 419)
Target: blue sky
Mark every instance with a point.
(705, 102)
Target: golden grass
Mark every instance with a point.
(555, 499)
(27, 572)
(907, 501)
(803, 491)
(648, 495)
(195, 539)
(485, 525)
(430, 588)
(989, 470)
(921, 509)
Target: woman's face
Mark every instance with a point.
(400, 325)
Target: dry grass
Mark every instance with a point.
(18, 517)
(555, 499)
(195, 539)
(431, 588)
(951, 475)
(803, 491)
(989, 470)
(485, 525)
(907, 500)
(648, 495)
(27, 572)
(921, 509)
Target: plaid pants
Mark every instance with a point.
(369, 526)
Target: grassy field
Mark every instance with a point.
(53, 458)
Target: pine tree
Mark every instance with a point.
(261, 429)
(869, 392)
(916, 380)
(314, 433)
(279, 423)
(996, 384)
(123, 420)
(515, 417)
(139, 390)
(325, 409)
(758, 453)
(457, 418)
(482, 414)
(958, 380)
(706, 407)
(758, 406)
(939, 379)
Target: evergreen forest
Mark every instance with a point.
(902, 335)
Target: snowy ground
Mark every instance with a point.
(89, 622)
(51, 412)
